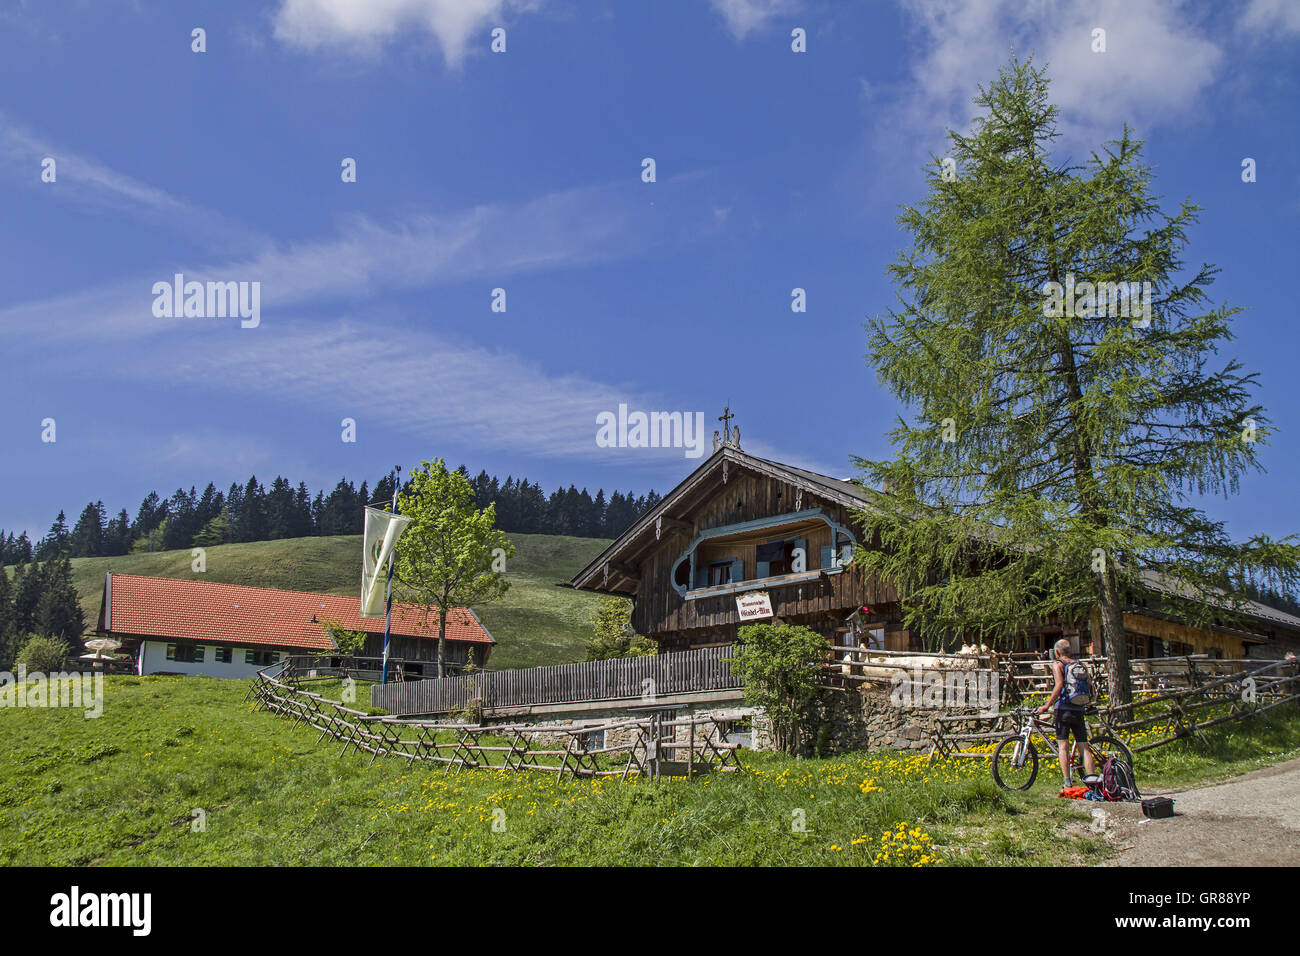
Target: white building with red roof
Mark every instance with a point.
(176, 626)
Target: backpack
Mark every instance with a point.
(1077, 691)
(1117, 781)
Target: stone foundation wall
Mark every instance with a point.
(865, 718)
(618, 737)
(861, 718)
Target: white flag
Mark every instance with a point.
(382, 531)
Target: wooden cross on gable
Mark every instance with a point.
(726, 418)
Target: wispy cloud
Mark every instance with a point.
(89, 183)
(423, 385)
(429, 386)
(1272, 16)
(366, 26)
(369, 259)
(744, 17)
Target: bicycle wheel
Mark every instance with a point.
(1015, 764)
(1103, 747)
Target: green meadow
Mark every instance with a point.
(169, 753)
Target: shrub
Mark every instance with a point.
(781, 665)
(612, 634)
(43, 654)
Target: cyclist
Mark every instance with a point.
(1069, 717)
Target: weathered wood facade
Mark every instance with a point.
(719, 535)
(719, 520)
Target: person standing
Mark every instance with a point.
(1071, 695)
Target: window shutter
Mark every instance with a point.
(702, 576)
(828, 557)
(761, 569)
(737, 570)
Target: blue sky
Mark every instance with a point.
(522, 170)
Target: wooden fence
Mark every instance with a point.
(620, 679)
(1173, 698)
(649, 746)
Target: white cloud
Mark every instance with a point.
(367, 25)
(1157, 65)
(743, 17)
(413, 382)
(1269, 16)
(85, 181)
(368, 259)
(391, 372)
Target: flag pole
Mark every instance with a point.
(388, 610)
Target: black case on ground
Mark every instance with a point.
(1157, 808)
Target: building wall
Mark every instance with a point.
(152, 659)
(662, 613)
(425, 650)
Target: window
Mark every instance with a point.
(261, 658)
(719, 573)
(185, 654)
(737, 731)
(777, 555)
(222, 655)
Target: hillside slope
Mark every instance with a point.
(537, 622)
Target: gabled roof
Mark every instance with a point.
(696, 487)
(205, 611)
(1174, 587)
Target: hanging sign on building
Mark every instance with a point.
(754, 606)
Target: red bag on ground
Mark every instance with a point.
(1073, 793)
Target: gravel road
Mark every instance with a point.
(1251, 820)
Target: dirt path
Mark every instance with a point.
(1251, 820)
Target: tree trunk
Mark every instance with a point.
(1112, 626)
(442, 639)
(1108, 599)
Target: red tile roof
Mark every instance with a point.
(237, 614)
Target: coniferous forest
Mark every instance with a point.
(254, 512)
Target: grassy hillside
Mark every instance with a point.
(123, 789)
(537, 622)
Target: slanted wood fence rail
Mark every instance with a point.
(1173, 698)
(650, 746)
(620, 679)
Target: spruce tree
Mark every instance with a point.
(56, 540)
(1055, 443)
(88, 534)
(29, 584)
(58, 612)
